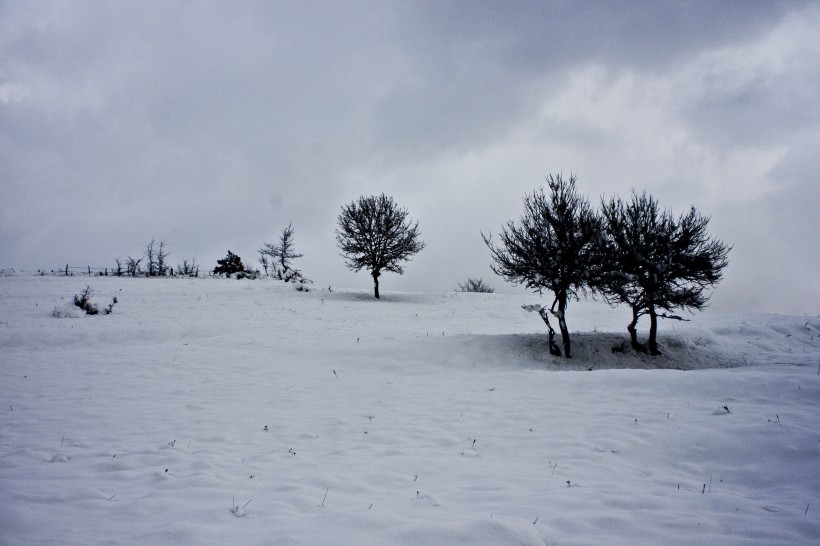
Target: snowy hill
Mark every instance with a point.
(212, 411)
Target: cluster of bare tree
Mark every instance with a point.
(630, 252)
(276, 260)
(156, 263)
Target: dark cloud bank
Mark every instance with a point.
(213, 125)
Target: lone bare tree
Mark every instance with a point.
(657, 262)
(279, 257)
(555, 247)
(375, 233)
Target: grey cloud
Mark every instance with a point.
(214, 124)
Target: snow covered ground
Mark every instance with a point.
(212, 411)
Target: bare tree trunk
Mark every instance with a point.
(653, 331)
(562, 324)
(151, 256)
(376, 283)
(162, 257)
(554, 349)
(633, 332)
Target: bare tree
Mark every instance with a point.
(132, 266)
(151, 258)
(162, 258)
(555, 247)
(156, 255)
(188, 269)
(279, 257)
(263, 260)
(658, 263)
(375, 233)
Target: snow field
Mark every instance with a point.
(217, 411)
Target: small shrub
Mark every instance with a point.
(247, 274)
(475, 285)
(303, 285)
(83, 301)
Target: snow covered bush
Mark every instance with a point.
(303, 285)
(67, 310)
(83, 301)
(247, 274)
(82, 304)
(229, 265)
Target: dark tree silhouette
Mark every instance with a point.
(162, 258)
(151, 258)
(657, 262)
(188, 269)
(475, 285)
(229, 265)
(279, 257)
(157, 257)
(555, 247)
(374, 233)
(132, 266)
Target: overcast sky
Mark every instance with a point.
(213, 124)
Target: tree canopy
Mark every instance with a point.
(656, 262)
(376, 234)
(554, 247)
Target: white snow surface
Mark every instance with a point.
(216, 411)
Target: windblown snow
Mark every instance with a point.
(213, 411)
